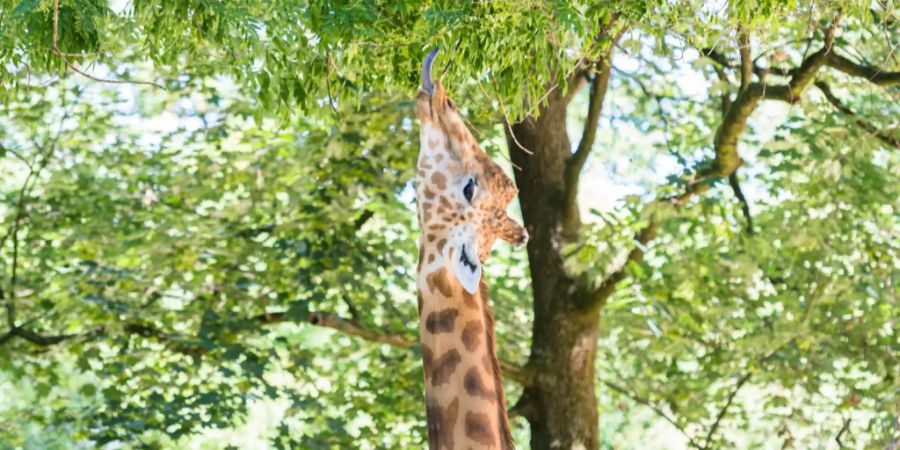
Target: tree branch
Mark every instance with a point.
(45, 153)
(64, 56)
(760, 72)
(844, 429)
(726, 96)
(745, 206)
(808, 68)
(828, 58)
(584, 67)
(834, 60)
(521, 375)
(746, 60)
(872, 74)
(726, 160)
(599, 86)
(597, 299)
(38, 339)
(576, 80)
(637, 398)
(868, 127)
(511, 371)
(724, 409)
(735, 121)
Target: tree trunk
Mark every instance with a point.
(561, 403)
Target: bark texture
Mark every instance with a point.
(560, 401)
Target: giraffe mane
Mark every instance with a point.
(502, 417)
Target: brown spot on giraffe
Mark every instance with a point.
(443, 367)
(439, 180)
(421, 254)
(478, 428)
(462, 198)
(470, 300)
(472, 334)
(439, 421)
(438, 280)
(427, 360)
(441, 321)
(476, 388)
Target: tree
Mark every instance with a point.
(181, 268)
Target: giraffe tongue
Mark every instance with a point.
(467, 270)
(427, 82)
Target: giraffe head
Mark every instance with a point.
(462, 195)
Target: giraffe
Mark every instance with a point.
(462, 198)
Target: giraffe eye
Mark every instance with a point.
(469, 190)
(450, 104)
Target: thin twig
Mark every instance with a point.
(659, 110)
(889, 138)
(745, 206)
(637, 398)
(506, 118)
(33, 173)
(329, 63)
(724, 411)
(74, 66)
(844, 429)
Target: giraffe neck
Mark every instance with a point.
(465, 405)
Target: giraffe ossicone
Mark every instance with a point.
(462, 197)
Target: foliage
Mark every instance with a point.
(175, 257)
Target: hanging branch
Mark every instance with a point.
(34, 171)
(873, 74)
(575, 163)
(64, 57)
(182, 344)
(643, 401)
(834, 60)
(844, 429)
(726, 160)
(724, 411)
(745, 206)
(889, 139)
